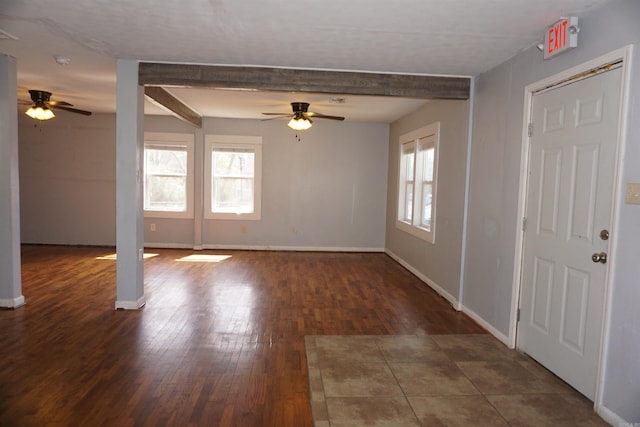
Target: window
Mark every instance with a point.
(417, 182)
(168, 175)
(233, 185)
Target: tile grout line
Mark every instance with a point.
(324, 393)
(388, 349)
(404, 393)
(314, 351)
(484, 396)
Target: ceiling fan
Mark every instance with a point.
(300, 118)
(42, 104)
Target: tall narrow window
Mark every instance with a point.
(426, 149)
(168, 175)
(417, 182)
(407, 183)
(233, 186)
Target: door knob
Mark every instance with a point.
(601, 257)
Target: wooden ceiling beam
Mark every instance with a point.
(296, 80)
(164, 99)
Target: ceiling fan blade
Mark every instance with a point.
(300, 111)
(323, 116)
(58, 104)
(73, 110)
(280, 116)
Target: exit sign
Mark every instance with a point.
(560, 37)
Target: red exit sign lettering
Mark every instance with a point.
(560, 37)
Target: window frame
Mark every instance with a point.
(186, 142)
(417, 143)
(239, 142)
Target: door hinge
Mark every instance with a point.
(518, 315)
(530, 130)
(524, 223)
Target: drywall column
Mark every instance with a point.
(198, 190)
(10, 276)
(129, 208)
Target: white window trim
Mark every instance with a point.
(233, 141)
(180, 140)
(430, 133)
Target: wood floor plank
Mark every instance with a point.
(218, 343)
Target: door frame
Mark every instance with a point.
(557, 80)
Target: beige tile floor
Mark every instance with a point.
(436, 380)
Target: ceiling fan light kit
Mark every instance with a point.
(299, 119)
(299, 123)
(42, 104)
(40, 112)
(39, 109)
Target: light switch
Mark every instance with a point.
(633, 193)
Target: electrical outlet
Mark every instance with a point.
(152, 227)
(633, 193)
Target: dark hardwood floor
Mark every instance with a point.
(219, 343)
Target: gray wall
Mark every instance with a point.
(67, 179)
(439, 263)
(493, 222)
(326, 192)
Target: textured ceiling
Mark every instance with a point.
(435, 37)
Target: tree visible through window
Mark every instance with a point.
(165, 178)
(233, 187)
(427, 153)
(407, 157)
(168, 175)
(233, 173)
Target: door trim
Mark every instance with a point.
(624, 55)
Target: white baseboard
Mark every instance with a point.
(168, 246)
(260, 247)
(131, 305)
(439, 289)
(612, 418)
(291, 248)
(492, 330)
(454, 302)
(12, 303)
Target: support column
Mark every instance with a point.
(10, 275)
(198, 190)
(129, 172)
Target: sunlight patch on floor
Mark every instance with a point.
(115, 256)
(203, 258)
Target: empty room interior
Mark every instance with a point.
(267, 214)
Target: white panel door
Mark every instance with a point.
(571, 178)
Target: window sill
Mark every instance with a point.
(234, 216)
(419, 232)
(168, 215)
